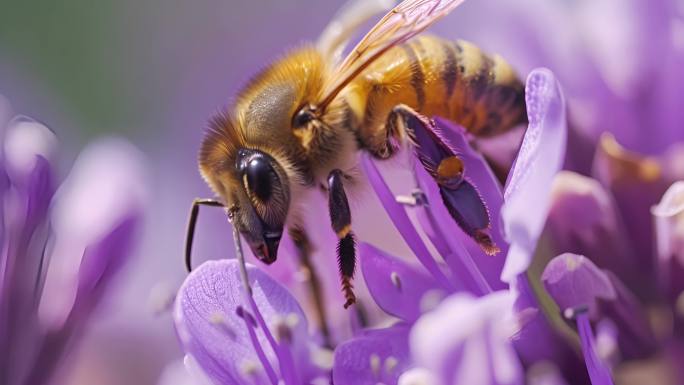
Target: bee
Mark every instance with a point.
(301, 122)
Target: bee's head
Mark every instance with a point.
(253, 185)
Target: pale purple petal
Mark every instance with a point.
(583, 220)
(26, 140)
(573, 281)
(211, 330)
(466, 341)
(538, 340)
(396, 286)
(95, 214)
(527, 193)
(669, 225)
(401, 221)
(376, 357)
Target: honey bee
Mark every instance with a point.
(300, 123)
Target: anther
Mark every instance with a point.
(572, 313)
(219, 321)
(396, 281)
(390, 363)
(283, 333)
(249, 368)
(245, 315)
(375, 364)
(417, 198)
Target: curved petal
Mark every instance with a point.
(95, 215)
(573, 281)
(466, 341)
(210, 320)
(397, 287)
(583, 220)
(402, 222)
(637, 182)
(528, 191)
(377, 356)
(669, 222)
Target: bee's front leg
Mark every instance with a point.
(340, 217)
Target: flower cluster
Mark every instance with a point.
(587, 287)
(61, 244)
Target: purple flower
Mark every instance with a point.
(533, 313)
(61, 245)
(242, 338)
(218, 323)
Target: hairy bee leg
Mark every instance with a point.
(460, 197)
(304, 250)
(340, 218)
(192, 221)
(395, 131)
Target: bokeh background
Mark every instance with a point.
(153, 71)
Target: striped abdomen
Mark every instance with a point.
(454, 80)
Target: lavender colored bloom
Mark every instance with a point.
(61, 245)
(242, 338)
(533, 313)
(402, 289)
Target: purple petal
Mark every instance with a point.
(95, 215)
(26, 140)
(27, 189)
(598, 370)
(573, 281)
(402, 222)
(583, 220)
(637, 183)
(635, 336)
(377, 356)
(210, 329)
(538, 340)
(527, 194)
(466, 340)
(397, 287)
(669, 222)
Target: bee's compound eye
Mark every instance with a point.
(259, 177)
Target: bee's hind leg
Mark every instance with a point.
(460, 197)
(340, 218)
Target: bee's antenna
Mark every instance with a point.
(194, 211)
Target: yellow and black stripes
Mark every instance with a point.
(437, 77)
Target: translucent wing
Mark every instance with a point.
(400, 24)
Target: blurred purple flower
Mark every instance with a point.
(61, 247)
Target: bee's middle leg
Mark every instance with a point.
(340, 218)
